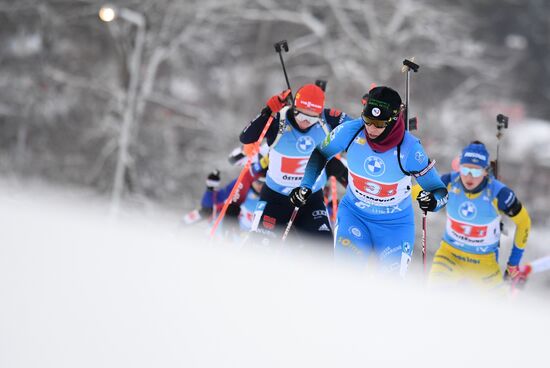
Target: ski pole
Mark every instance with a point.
(533, 267)
(239, 179)
(408, 65)
(289, 225)
(424, 239)
(502, 123)
(279, 47)
(214, 200)
(334, 195)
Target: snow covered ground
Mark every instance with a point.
(78, 290)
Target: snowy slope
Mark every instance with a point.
(78, 291)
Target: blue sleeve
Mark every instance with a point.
(221, 195)
(340, 138)
(515, 256)
(417, 161)
(346, 118)
(252, 131)
(429, 179)
(506, 199)
(335, 142)
(446, 179)
(508, 203)
(335, 117)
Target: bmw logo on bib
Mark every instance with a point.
(305, 144)
(375, 166)
(467, 210)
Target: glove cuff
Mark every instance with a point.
(212, 183)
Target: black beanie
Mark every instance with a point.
(383, 103)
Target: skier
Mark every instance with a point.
(298, 126)
(240, 211)
(376, 215)
(469, 249)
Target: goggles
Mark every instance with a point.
(298, 115)
(476, 173)
(377, 123)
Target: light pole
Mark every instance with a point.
(107, 14)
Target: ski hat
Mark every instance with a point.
(310, 97)
(476, 154)
(382, 103)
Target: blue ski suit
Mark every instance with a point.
(376, 213)
(290, 148)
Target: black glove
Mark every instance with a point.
(426, 201)
(213, 180)
(299, 196)
(233, 210)
(231, 219)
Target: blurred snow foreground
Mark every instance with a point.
(79, 291)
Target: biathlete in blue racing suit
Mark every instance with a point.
(292, 136)
(376, 215)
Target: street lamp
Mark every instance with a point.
(108, 13)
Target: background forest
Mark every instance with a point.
(140, 109)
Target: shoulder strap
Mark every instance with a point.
(282, 127)
(416, 174)
(399, 158)
(324, 125)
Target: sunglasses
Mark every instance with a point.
(305, 117)
(377, 123)
(476, 173)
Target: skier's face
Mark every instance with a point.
(305, 118)
(372, 131)
(472, 175)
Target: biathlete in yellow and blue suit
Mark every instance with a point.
(470, 246)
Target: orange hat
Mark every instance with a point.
(310, 97)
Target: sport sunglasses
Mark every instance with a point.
(301, 116)
(377, 123)
(476, 173)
